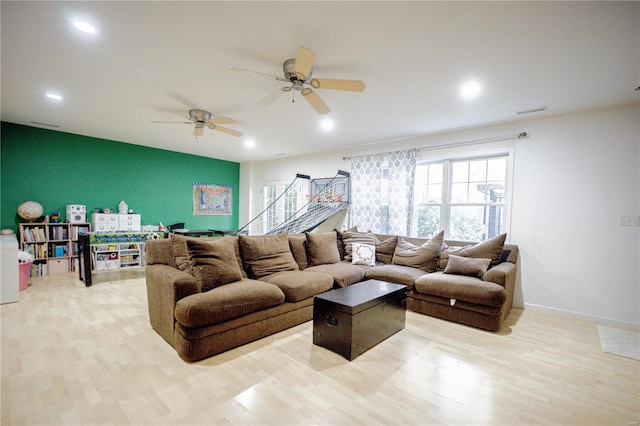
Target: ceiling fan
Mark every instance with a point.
(202, 118)
(298, 71)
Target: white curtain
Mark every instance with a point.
(402, 170)
(383, 202)
(366, 186)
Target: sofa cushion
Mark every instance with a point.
(446, 252)
(344, 274)
(385, 249)
(299, 285)
(395, 274)
(181, 256)
(424, 257)
(473, 267)
(322, 248)
(266, 254)
(340, 236)
(363, 254)
(350, 237)
(489, 249)
(180, 253)
(227, 302)
(298, 247)
(213, 263)
(160, 252)
(461, 287)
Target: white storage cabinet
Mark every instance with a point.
(113, 222)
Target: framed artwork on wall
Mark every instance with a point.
(211, 200)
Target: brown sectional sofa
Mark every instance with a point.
(209, 295)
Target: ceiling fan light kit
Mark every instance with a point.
(199, 115)
(298, 72)
(200, 118)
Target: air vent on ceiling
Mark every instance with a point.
(532, 110)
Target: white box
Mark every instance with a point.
(104, 265)
(76, 213)
(110, 222)
(58, 266)
(104, 222)
(129, 222)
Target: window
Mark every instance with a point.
(280, 205)
(465, 197)
(428, 196)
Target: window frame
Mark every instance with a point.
(447, 159)
(286, 206)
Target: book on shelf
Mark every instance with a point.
(60, 250)
(59, 232)
(34, 234)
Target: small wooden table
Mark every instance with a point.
(352, 320)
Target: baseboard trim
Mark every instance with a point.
(593, 318)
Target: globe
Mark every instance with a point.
(30, 210)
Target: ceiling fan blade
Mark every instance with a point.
(198, 131)
(329, 83)
(221, 120)
(271, 97)
(180, 122)
(226, 130)
(258, 73)
(315, 101)
(304, 62)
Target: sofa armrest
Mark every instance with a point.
(503, 274)
(500, 273)
(165, 286)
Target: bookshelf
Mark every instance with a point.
(54, 246)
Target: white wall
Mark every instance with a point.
(573, 177)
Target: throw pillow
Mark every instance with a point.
(363, 254)
(350, 237)
(213, 263)
(180, 253)
(490, 249)
(298, 247)
(385, 249)
(424, 257)
(266, 254)
(340, 235)
(470, 266)
(322, 248)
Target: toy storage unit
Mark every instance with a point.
(115, 222)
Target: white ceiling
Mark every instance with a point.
(156, 60)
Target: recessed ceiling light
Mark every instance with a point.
(249, 143)
(85, 27)
(54, 96)
(327, 124)
(470, 90)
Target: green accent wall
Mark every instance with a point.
(56, 168)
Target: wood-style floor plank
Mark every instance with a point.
(77, 355)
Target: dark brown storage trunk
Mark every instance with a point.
(351, 320)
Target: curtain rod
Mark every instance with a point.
(521, 135)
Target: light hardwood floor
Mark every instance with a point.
(77, 355)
